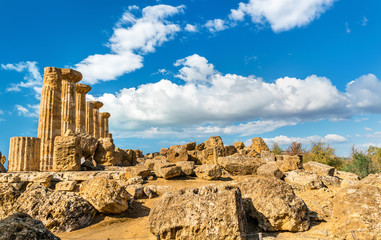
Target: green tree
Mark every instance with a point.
(323, 153)
(360, 163)
(374, 153)
(295, 148)
(276, 149)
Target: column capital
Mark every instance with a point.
(82, 88)
(71, 75)
(105, 114)
(96, 104)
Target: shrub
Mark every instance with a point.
(276, 149)
(359, 163)
(295, 149)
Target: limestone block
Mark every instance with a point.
(290, 163)
(238, 164)
(67, 186)
(259, 145)
(135, 171)
(319, 168)
(177, 153)
(67, 153)
(167, 170)
(208, 172)
(270, 170)
(239, 145)
(190, 146)
(186, 167)
(24, 154)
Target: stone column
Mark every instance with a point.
(97, 105)
(24, 154)
(49, 124)
(80, 113)
(69, 78)
(104, 116)
(90, 118)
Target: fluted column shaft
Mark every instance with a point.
(69, 79)
(97, 105)
(24, 154)
(80, 113)
(104, 129)
(49, 124)
(90, 118)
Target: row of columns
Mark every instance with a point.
(63, 107)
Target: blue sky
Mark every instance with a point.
(171, 72)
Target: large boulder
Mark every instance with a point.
(319, 168)
(239, 145)
(67, 153)
(177, 153)
(208, 172)
(270, 170)
(258, 145)
(214, 141)
(229, 150)
(186, 167)
(211, 212)
(304, 180)
(238, 164)
(190, 146)
(372, 179)
(289, 162)
(357, 208)
(135, 171)
(274, 205)
(167, 170)
(105, 152)
(105, 194)
(21, 226)
(58, 211)
(88, 143)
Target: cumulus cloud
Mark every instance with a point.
(29, 111)
(191, 28)
(196, 69)
(216, 25)
(285, 140)
(133, 37)
(32, 78)
(282, 15)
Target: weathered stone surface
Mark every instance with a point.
(136, 190)
(167, 170)
(275, 206)
(163, 151)
(104, 154)
(186, 167)
(150, 163)
(331, 181)
(67, 153)
(303, 180)
(211, 212)
(24, 154)
(59, 211)
(190, 146)
(357, 208)
(268, 156)
(229, 150)
(239, 145)
(135, 171)
(214, 141)
(249, 152)
(49, 123)
(319, 168)
(258, 145)
(208, 172)
(270, 170)
(347, 176)
(238, 164)
(372, 179)
(290, 163)
(105, 194)
(2, 168)
(2, 158)
(158, 190)
(66, 186)
(200, 146)
(88, 143)
(177, 153)
(8, 198)
(21, 226)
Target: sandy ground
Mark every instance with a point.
(134, 224)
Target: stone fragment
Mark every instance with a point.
(2, 158)
(372, 179)
(303, 180)
(214, 141)
(158, 190)
(67, 153)
(104, 154)
(357, 208)
(290, 163)
(268, 156)
(211, 212)
(20, 226)
(59, 211)
(163, 151)
(49, 123)
(208, 172)
(66, 186)
(2, 168)
(270, 170)
(239, 145)
(190, 146)
(258, 145)
(200, 146)
(177, 153)
(88, 143)
(24, 154)
(150, 163)
(136, 190)
(331, 181)
(135, 171)
(229, 150)
(105, 194)
(186, 167)
(319, 168)
(8, 198)
(274, 205)
(347, 176)
(238, 164)
(167, 170)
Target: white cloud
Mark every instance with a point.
(347, 29)
(364, 21)
(29, 111)
(132, 38)
(191, 28)
(32, 78)
(282, 15)
(196, 69)
(368, 129)
(216, 25)
(285, 140)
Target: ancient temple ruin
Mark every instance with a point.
(63, 109)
